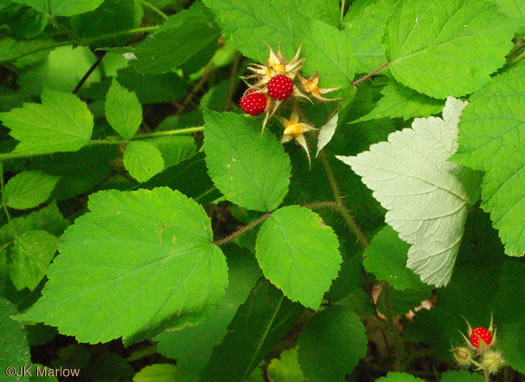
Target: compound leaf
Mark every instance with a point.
(137, 263)
(299, 254)
(411, 169)
(61, 123)
(492, 138)
(449, 41)
(249, 169)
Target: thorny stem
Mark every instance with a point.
(154, 9)
(355, 83)
(398, 343)
(242, 230)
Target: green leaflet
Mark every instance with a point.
(399, 101)
(331, 345)
(491, 138)
(137, 263)
(14, 350)
(399, 377)
(444, 48)
(192, 347)
(28, 189)
(412, 169)
(165, 372)
(123, 110)
(299, 254)
(61, 123)
(30, 258)
(73, 7)
(250, 169)
(39, 5)
(258, 325)
(181, 37)
(143, 160)
(460, 376)
(286, 368)
(386, 257)
(364, 26)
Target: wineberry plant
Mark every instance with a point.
(249, 190)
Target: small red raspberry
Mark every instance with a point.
(280, 87)
(480, 332)
(254, 103)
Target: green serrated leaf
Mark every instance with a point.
(399, 101)
(181, 38)
(48, 218)
(326, 133)
(299, 254)
(386, 257)
(112, 16)
(235, 154)
(123, 110)
(258, 325)
(321, 46)
(331, 345)
(175, 149)
(28, 189)
(72, 7)
(39, 5)
(460, 376)
(492, 139)
(30, 258)
(14, 350)
(61, 123)
(447, 40)
(23, 22)
(327, 11)
(137, 263)
(399, 377)
(192, 347)
(412, 169)
(364, 27)
(286, 368)
(158, 372)
(143, 160)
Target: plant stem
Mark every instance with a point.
(154, 9)
(349, 220)
(399, 364)
(233, 81)
(355, 83)
(155, 134)
(486, 376)
(242, 230)
(518, 58)
(209, 70)
(342, 13)
(88, 73)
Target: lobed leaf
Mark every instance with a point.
(61, 123)
(411, 169)
(444, 48)
(138, 263)
(491, 138)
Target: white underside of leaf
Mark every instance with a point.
(425, 195)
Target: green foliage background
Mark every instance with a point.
(151, 231)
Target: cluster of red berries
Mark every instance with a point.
(280, 87)
(479, 350)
